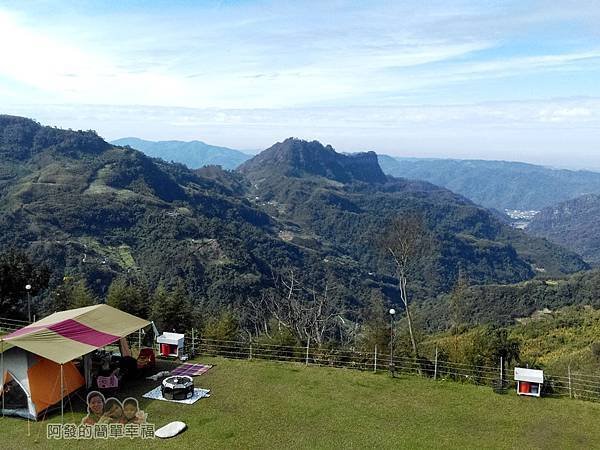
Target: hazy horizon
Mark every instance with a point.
(407, 155)
(511, 80)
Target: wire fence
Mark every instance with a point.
(577, 385)
(573, 384)
(10, 325)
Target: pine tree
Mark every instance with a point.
(172, 311)
(457, 300)
(129, 297)
(117, 294)
(79, 295)
(225, 328)
(376, 328)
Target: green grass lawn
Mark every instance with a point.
(258, 404)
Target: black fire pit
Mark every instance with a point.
(178, 387)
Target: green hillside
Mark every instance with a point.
(505, 304)
(549, 339)
(562, 338)
(328, 199)
(91, 210)
(497, 184)
(572, 224)
(194, 154)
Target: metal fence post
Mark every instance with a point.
(307, 347)
(436, 362)
(570, 387)
(250, 350)
(501, 371)
(375, 360)
(193, 343)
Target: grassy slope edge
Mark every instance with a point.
(258, 404)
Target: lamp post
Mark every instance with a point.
(392, 368)
(28, 289)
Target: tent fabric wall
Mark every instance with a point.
(16, 389)
(44, 383)
(40, 379)
(16, 362)
(15, 365)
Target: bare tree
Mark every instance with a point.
(257, 315)
(309, 313)
(406, 240)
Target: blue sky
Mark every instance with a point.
(517, 80)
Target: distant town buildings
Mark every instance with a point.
(521, 218)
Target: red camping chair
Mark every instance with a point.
(146, 359)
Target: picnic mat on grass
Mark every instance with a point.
(191, 369)
(156, 394)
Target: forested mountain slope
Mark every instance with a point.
(90, 209)
(94, 210)
(497, 184)
(573, 224)
(194, 154)
(327, 200)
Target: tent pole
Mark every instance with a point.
(62, 407)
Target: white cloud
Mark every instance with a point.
(560, 132)
(577, 114)
(62, 70)
(275, 57)
(357, 75)
(76, 70)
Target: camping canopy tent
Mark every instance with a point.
(35, 365)
(32, 384)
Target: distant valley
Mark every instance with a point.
(501, 185)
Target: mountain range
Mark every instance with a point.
(95, 210)
(194, 154)
(502, 185)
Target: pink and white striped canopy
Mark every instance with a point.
(66, 335)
